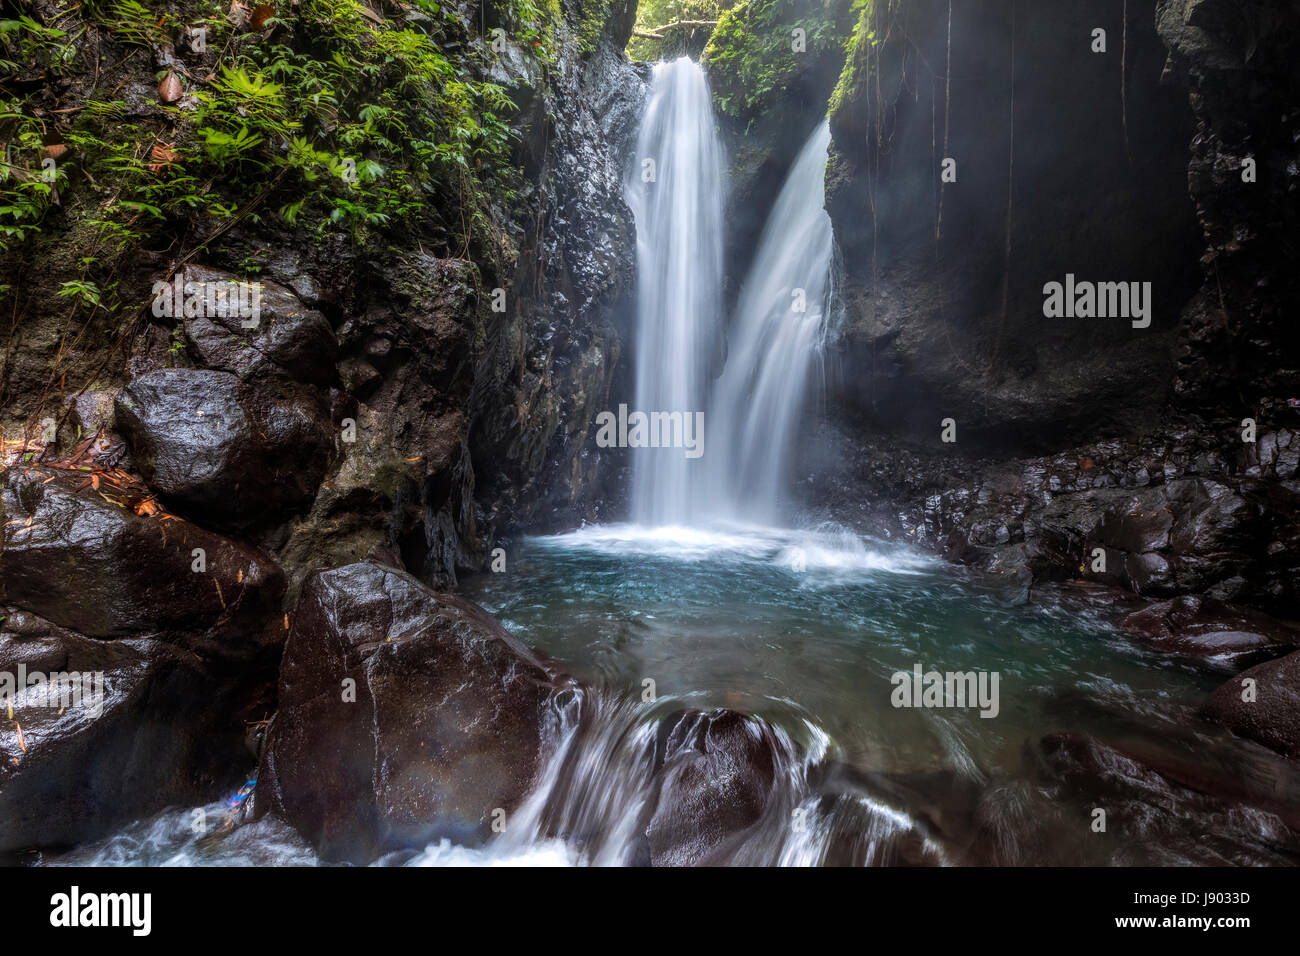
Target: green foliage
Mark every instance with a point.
(24, 192)
(536, 26)
(322, 119)
(749, 55)
(82, 291)
(127, 21)
(652, 14)
(591, 23)
(25, 42)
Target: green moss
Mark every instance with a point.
(857, 54)
(750, 56)
(592, 15)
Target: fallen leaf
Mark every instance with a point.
(169, 90)
(163, 155)
(261, 13)
(21, 742)
(55, 150)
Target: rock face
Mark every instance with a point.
(1185, 511)
(232, 452)
(474, 412)
(1205, 628)
(716, 776)
(286, 338)
(944, 282)
(1273, 717)
(100, 569)
(152, 726)
(406, 716)
(1237, 58)
(554, 361)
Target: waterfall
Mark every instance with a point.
(754, 408)
(777, 338)
(675, 193)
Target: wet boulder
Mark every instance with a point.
(85, 559)
(405, 716)
(1205, 628)
(1186, 535)
(280, 337)
(232, 452)
(717, 774)
(114, 730)
(1262, 704)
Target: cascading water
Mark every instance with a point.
(780, 329)
(675, 193)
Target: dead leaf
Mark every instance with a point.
(261, 13)
(55, 150)
(169, 90)
(21, 742)
(163, 155)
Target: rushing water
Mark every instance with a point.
(675, 193)
(776, 345)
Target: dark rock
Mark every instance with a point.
(1236, 59)
(445, 728)
(168, 729)
(287, 339)
(99, 568)
(1272, 718)
(233, 452)
(1205, 628)
(1150, 789)
(943, 283)
(716, 781)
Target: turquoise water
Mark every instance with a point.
(727, 620)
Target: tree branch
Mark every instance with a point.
(658, 32)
